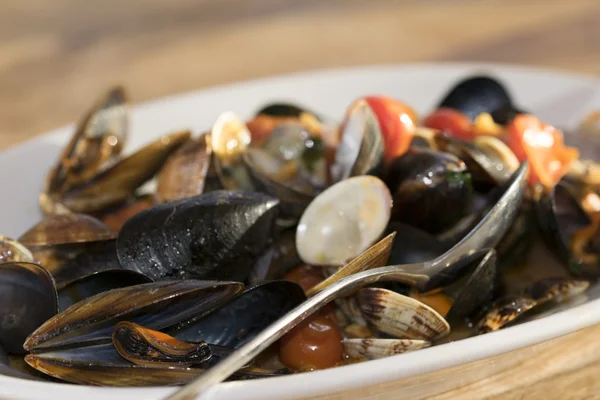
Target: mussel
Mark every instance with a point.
(27, 299)
(217, 235)
(431, 190)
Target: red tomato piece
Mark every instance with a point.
(543, 145)
(397, 121)
(451, 122)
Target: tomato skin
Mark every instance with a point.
(398, 124)
(316, 343)
(451, 122)
(543, 145)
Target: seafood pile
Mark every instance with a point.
(147, 269)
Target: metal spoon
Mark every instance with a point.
(486, 234)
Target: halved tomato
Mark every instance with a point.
(451, 122)
(543, 145)
(398, 124)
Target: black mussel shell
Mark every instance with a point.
(217, 235)
(431, 190)
(504, 115)
(519, 239)
(475, 288)
(475, 95)
(155, 305)
(84, 260)
(7, 369)
(285, 110)
(281, 257)
(559, 217)
(412, 245)
(95, 283)
(27, 299)
(246, 315)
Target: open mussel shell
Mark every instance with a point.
(119, 182)
(153, 305)
(487, 158)
(98, 282)
(476, 95)
(147, 347)
(401, 316)
(27, 299)
(101, 365)
(217, 235)
(13, 251)
(229, 139)
(281, 257)
(115, 217)
(475, 288)
(97, 140)
(503, 311)
(560, 217)
(244, 316)
(361, 147)
(184, 173)
(431, 190)
(66, 229)
(556, 289)
(374, 348)
(294, 193)
(343, 221)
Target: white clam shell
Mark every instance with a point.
(343, 221)
(380, 348)
(401, 316)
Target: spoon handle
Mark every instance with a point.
(276, 330)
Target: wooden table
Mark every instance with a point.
(55, 56)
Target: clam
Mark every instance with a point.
(97, 282)
(217, 235)
(27, 300)
(361, 147)
(244, 316)
(487, 158)
(184, 173)
(343, 221)
(431, 190)
(372, 349)
(13, 251)
(147, 347)
(97, 141)
(229, 140)
(293, 190)
(476, 95)
(119, 182)
(401, 316)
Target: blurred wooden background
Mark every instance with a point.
(58, 55)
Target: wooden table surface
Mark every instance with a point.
(55, 56)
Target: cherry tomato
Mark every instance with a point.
(543, 145)
(305, 275)
(451, 122)
(397, 121)
(316, 343)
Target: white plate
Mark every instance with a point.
(558, 98)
